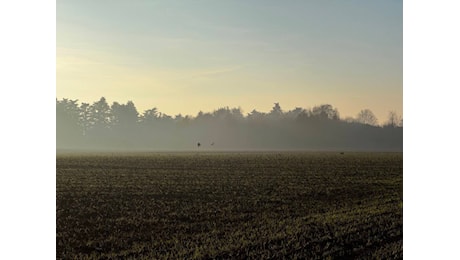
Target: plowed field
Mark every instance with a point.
(229, 205)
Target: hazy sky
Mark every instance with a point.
(187, 56)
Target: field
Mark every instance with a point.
(229, 205)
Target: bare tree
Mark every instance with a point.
(366, 117)
(393, 120)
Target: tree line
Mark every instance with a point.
(101, 126)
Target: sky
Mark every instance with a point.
(190, 56)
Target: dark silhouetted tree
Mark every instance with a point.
(222, 113)
(124, 115)
(69, 130)
(256, 115)
(149, 116)
(276, 111)
(164, 117)
(237, 114)
(119, 126)
(295, 113)
(203, 117)
(100, 115)
(85, 117)
(325, 111)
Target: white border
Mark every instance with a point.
(431, 77)
(28, 164)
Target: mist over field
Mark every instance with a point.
(120, 127)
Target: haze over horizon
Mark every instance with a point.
(186, 57)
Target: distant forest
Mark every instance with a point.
(100, 126)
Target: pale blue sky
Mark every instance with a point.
(186, 56)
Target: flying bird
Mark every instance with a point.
(198, 144)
